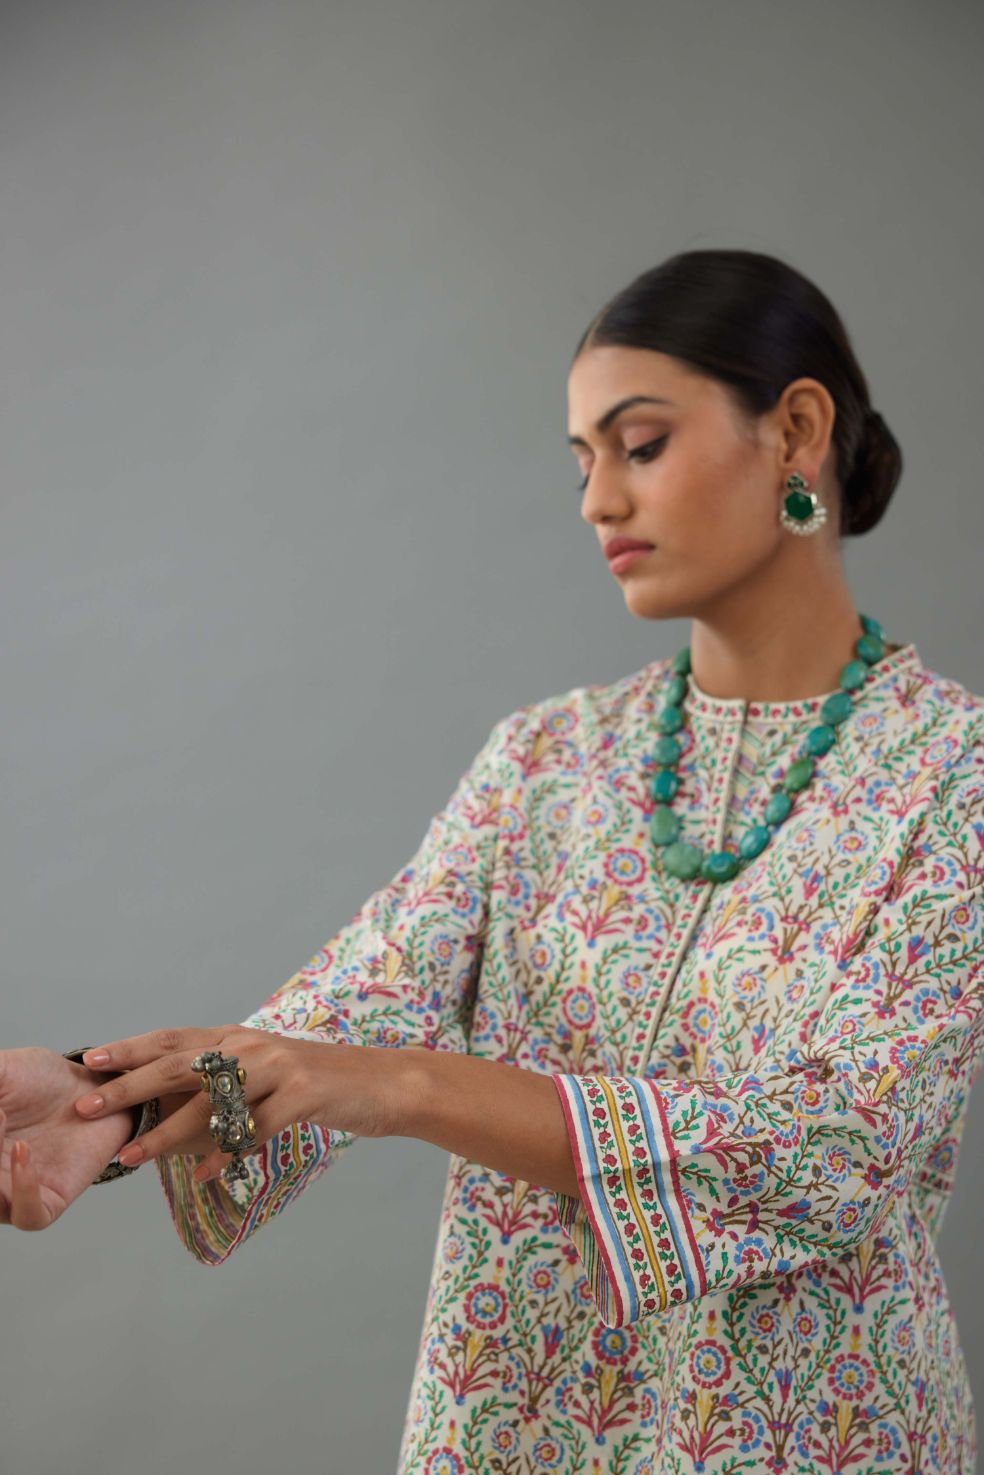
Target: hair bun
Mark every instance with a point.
(874, 476)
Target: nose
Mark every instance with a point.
(605, 497)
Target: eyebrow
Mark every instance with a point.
(623, 404)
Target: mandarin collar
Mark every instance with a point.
(700, 704)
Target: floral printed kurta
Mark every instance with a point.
(764, 1083)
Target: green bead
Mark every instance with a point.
(870, 648)
(799, 505)
(682, 860)
(754, 841)
(664, 827)
(777, 807)
(720, 865)
(854, 674)
(666, 751)
(670, 719)
(837, 709)
(820, 739)
(664, 785)
(798, 774)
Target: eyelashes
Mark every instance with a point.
(643, 454)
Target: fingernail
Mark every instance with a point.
(91, 1103)
(22, 1154)
(96, 1057)
(200, 1174)
(131, 1155)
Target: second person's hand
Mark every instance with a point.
(64, 1153)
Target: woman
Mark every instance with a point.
(686, 976)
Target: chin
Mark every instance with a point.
(653, 604)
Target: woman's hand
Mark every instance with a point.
(351, 1088)
(65, 1154)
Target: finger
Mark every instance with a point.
(210, 1167)
(136, 1050)
(187, 1132)
(184, 1131)
(26, 1209)
(4, 1203)
(168, 1076)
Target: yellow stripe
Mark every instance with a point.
(623, 1150)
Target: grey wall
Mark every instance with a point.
(289, 294)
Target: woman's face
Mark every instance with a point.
(708, 493)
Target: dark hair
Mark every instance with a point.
(754, 324)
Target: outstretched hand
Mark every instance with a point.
(347, 1087)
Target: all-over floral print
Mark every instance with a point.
(765, 1083)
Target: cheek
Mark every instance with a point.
(730, 492)
(711, 499)
(719, 528)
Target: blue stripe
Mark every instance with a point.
(601, 1205)
(666, 1199)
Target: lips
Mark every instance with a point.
(615, 546)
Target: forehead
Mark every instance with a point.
(599, 377)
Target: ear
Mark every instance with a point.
(806, 414)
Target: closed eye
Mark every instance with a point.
(638, 453)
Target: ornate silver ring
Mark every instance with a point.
(230, 1124)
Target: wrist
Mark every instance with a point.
(395, 1086)
(411, 1099)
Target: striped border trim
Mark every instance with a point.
(601, 1249)
(665, 1160)
(616, 1258)
(212, 1220)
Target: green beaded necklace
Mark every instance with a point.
(687, 861)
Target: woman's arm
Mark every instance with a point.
(402, 972)
(507, 1118)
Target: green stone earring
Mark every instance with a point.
(802, 511)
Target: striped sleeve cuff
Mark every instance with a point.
(213, 1218)
(630, 1225)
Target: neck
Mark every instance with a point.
(777, 651)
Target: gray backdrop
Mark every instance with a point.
(289, 295)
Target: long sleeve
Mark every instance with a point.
(402, 971)
(689, 1187)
